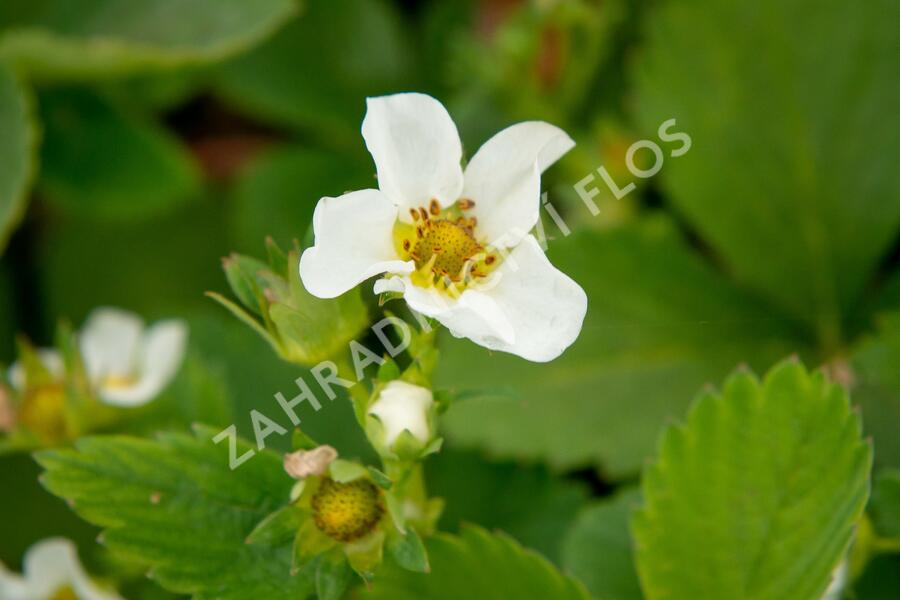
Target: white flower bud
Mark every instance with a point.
(403, 406)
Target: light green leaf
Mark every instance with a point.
(476, 564)
(316, 72)
(792, 110)
(660, 324)
(99, 38)
(757, 495)
(174, 506)
(465, 480)
(18, 138)
(599, 551)
(876, 387)
(97, 161)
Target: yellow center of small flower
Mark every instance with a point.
(43, 412)
(443, 245)
(64, 593)
(119, 382)
(347, 511)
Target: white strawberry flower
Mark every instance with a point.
(51, 571)
(454, 242)
(127, 363)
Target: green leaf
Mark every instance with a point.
(476, 564)
(465, 480)
(757, 495)
(599, 551)
(660, 324)
(174, 506)
(885, 504)
(316, 72)
(876, 387)
(97, 161)
(790, 177)
(18, 138)
(100, 38)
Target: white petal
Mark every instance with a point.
(354, 241)
(504, 178)
(53, 564)
(12, 586)
(109, 342)
(416, 149)
(542, 305)
(50, 358)
(473, 315)
(161, 354)
(402, 406)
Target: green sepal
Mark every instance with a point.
(345, 471)
(309, 543)
(279, 527)
(395, 510)
(241, 273)
(333, 574)
(388, 371)
(278, 260)
(380, 478)
(366, 554)
(409, 551)
(301, 441)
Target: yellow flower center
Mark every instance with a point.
(443, 245)
(64, 593)
(119, 382)
(43, 412)
(347, 511)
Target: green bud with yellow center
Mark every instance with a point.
(347, 511)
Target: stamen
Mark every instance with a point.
(406, 245)
(465, 203)
(414, 213)
(434, 207)
(424, 213)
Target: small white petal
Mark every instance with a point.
(50, 358)
(354, 241)
(544, 306)
(473, 315)
(504, 178)
(416, 149)
(53, 564)
(402, 406)
(109, 343)
(161, 354)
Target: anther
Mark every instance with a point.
(424, 213)
(414, 213)
(465, 203)
(434, 207)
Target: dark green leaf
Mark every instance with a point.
(660, 324)
(101, 163)
(792, 110)
(100, 38)
(598, 549)
(18, 139)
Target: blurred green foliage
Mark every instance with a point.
(142, 141)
